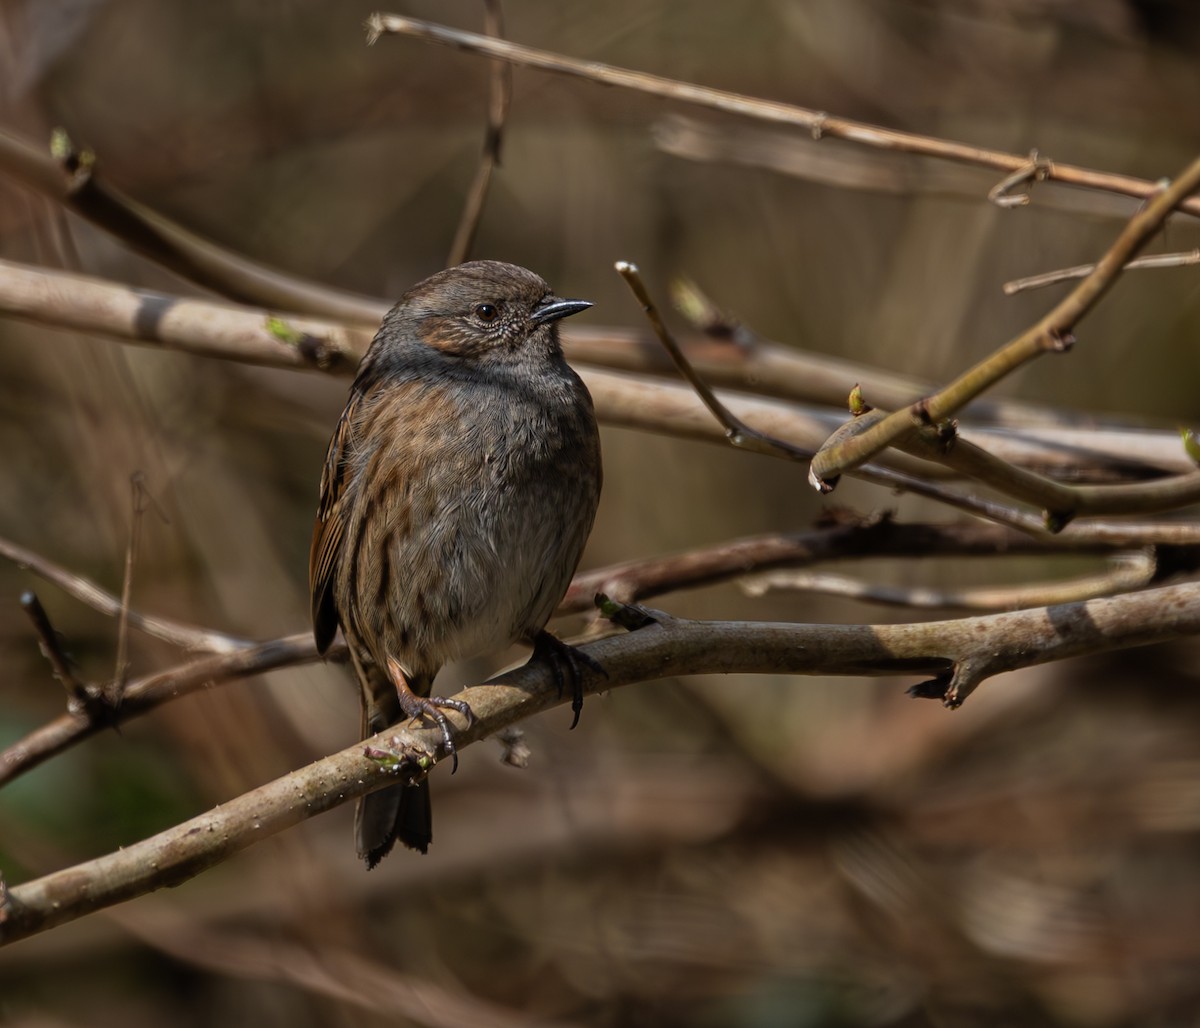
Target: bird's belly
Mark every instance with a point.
(477, 573)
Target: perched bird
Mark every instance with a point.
(458, 492)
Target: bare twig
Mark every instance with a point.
(69, 177)
(79, 698)
(141, 500)
(817, 123)
(1035, 169)
(879, 171)
(87, 591)
(1049, 278)
(499, 98)
(736, 431)
(1051, 334)
(146, 693)
(1126, 573)
(637, 580)
(1059, 501)
(739, 434)
(961, 653)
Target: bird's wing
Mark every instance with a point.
(330, 527)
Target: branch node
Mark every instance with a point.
(1191, 444)
(953, 686)
(822, 485)
(1036, 169)
(1058, 341)
(1054, 521)
(818, 126)
(78, 164)
(629, 616)
(947, 434)
(921, 413)
(401, 761)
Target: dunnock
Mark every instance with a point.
(459, 488)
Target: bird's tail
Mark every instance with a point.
(398, 812)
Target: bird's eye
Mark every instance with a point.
(486, 312)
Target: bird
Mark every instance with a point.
(457, 494)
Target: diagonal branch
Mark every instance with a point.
(961, 653)
(70, 178)
(1051, 334)
(146, 693)
(86, 591)
(1049, 278)
(817, 123)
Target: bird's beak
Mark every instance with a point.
(552, 308)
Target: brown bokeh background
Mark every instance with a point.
(757, 851)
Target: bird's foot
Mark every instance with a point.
(429, 708)
(568, 664)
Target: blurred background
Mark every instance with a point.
(752, 851)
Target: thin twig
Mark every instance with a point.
(742, 436)
(146, 693)
(1049, 278)
(736, 431)
(140, 501)
(786, 153)
(817, 123)
(961, 652)
(880, 537)
(1018, 481)
(79, 698)
(1051, 334)
(1127, 573)
(1060, 502)
(86, 591)
(499, 98)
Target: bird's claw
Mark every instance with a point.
(429, 708)
(565, 662)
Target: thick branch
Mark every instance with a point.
(253, 336)
(964, 649)
(197, 326)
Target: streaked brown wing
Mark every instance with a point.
(330, 527)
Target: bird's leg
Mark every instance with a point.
(567, 663)
(429, 708)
